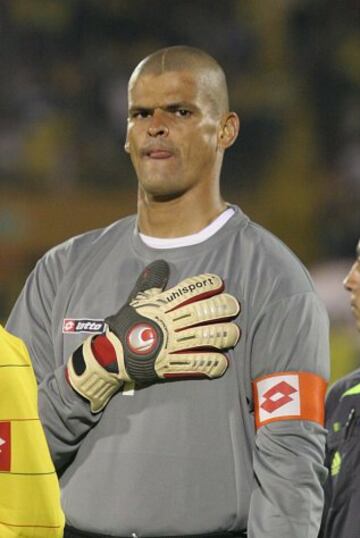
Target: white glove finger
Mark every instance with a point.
(192, 365)
(216, 336)
(220, 307)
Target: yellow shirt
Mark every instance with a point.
(29, 488)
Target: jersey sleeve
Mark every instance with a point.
(66, 418)
(290, 367)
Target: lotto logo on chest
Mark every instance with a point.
(87, 326)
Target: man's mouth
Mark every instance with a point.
(159, 154)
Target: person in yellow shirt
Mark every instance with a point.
(29, 489)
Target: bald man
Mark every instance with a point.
(165, 423)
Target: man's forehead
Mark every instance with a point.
(171, 86)
(168, 81)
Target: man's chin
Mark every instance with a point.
(158, 196)
(161, 190)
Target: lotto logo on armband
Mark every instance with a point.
(88, 326)
(289, 396)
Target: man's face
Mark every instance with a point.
(352, 284)
(172, 134)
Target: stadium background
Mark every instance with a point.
(293, 69)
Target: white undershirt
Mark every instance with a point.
(193, 239)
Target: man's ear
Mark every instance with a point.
(229, 130)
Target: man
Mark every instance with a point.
(29, 489)
(241, 451)
(341, 517)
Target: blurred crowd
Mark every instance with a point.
(293, 68)
(294, 76)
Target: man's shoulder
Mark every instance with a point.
(271, 246)
(92, 238)
(74, 253)
(345, 385)
(337, 398)
(271, 260)
(12, 349)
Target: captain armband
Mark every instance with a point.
(289, 396)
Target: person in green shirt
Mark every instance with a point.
(341, 518)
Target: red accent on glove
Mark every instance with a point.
(103, 350)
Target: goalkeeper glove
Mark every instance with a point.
(177, 333)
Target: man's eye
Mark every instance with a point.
(140, 114)
(182, 112)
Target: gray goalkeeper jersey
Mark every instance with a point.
(181, 457)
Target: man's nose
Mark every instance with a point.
(349, 280)
(158, 126)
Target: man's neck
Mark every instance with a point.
(177, 217)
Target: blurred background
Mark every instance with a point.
(293, 68)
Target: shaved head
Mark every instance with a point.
(193, 60)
